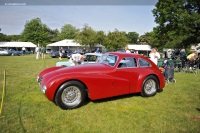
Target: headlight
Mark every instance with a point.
(43, 89)
(38, 78)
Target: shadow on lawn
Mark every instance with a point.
(115, 98)
(198, 109)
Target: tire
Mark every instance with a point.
(150, 86)
(70, 95)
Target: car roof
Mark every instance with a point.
(122, 54)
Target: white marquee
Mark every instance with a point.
(17, 44)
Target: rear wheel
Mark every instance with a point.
(150, 86)
(70, 95)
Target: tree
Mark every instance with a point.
(68, 32)
(87, 36)
(146, 38)
(54, 35)
(178, 22)
(133, 37)
(4, 38)
(36, 32)
(100, 36)
(14, 37)
(116, 40)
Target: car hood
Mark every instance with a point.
(48, 70)
(85, 68)
(76, 70)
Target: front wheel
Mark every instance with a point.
(150, 86)
(70, 95)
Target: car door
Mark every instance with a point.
(126, 76)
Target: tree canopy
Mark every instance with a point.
(116, 40)
(39, 33)
(68, 32)
(87, 36)
(178, 23)
(36, 32)
(133, 37)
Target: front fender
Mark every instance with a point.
(48, 70)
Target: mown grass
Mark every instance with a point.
(25, 109)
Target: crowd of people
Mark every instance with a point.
(77, 57)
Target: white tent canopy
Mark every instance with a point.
(70, 44)
(139, 47)
(17, 44)
(65, 42)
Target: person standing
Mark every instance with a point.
(60, 53)
(127, 50)
(97, 50)
(37, 50)
(43, 51)
(23, 50)
(154, 56)
(192, 56)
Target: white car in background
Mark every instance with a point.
(4, 52)
(89, 59)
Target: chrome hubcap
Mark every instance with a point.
(150, 86)
(71, 96)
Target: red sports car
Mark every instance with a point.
(115, 74)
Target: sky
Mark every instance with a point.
(128, 18)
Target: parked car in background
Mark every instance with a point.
(115, 74)
(15, 53)
(89, 58)
(4, 52)
(26, 52)
(65, 54)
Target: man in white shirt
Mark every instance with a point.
(23, 50)
(76, 59)
(127, 50)
(37, 50)
(154, 56)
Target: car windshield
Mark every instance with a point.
(108, 59)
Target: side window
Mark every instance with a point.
(127, 63)
(144, 63)
(91, 58)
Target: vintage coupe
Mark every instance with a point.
(115, 74)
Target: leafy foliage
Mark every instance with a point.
(68, 32)
(101, 37)
(87, 36)
(146, 38)
(4, 38)
(179, 23)
(54, 35)
(36, 32)
(14, 37)
(116, 40)
(112, 41)
(133, 37)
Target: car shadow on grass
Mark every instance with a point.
(115, 98)
(198, 109)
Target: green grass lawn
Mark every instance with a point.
(26, 109)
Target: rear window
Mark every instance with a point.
(144, 63)
(127, 62)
